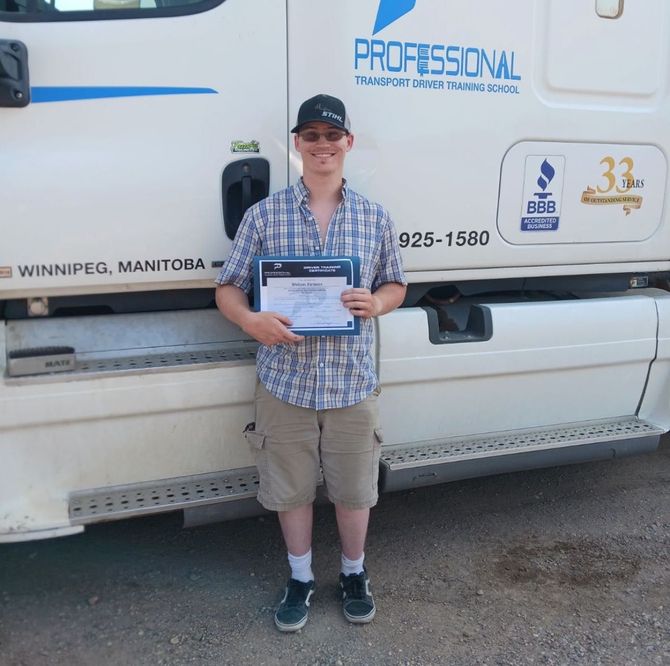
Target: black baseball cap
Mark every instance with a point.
(323, 109)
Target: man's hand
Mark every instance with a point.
(361, 302)
(269, 328)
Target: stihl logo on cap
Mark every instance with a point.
(330, 114)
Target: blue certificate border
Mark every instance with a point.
(354, 276)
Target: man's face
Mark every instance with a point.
(322, 148)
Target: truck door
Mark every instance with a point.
(118, 119)
(462, 110)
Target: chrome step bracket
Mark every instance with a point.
(456, 458)
(118, 502)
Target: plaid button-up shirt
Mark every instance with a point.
(321, 372)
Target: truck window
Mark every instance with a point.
(47, 10)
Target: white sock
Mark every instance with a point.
(301, 566)
(352, 566)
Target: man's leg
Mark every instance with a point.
(350, 447)
(357, 602)
(352, 524)
(286, 451)
(296, 527)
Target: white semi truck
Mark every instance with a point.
(521, 148)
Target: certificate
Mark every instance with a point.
(307, 290)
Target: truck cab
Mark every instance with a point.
(520, 148)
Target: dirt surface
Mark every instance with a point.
(561, 566)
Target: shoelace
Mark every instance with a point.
(354, 586)
(297, 592)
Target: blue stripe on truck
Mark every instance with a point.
(73, 93)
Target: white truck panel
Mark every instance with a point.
(508, 140)
(545, 363)
(611, 63)
(102, 186)
(655, 405)
(552, 193)
(445, 96)
(66, 436)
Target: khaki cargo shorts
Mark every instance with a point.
(292, 444)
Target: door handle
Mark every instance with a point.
(478, 326)
(247, 184)
(14, 83)
(243, 183)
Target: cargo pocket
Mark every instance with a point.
(256, 441)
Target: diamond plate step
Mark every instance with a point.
(143, 362)
(401, 467)
(466, 457)
(84, 366)
(117, 502)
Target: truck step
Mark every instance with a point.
(118, 502)
(456, 458)
(40, 366)
(401, 467)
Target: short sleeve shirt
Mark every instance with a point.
(321, 372)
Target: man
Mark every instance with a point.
(316, 396)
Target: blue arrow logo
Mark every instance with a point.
(390, 11)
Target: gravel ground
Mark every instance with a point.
(560, 566)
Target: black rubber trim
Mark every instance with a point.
(33, 352)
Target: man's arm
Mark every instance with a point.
(269, 328)
(362, 303)
(391, 292)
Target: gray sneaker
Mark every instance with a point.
(293, 609)
(357, 602)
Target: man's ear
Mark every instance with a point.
(350, 142)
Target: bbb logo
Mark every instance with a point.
(541, 210)
(390, 11)
(543, 204)
(276, 266)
